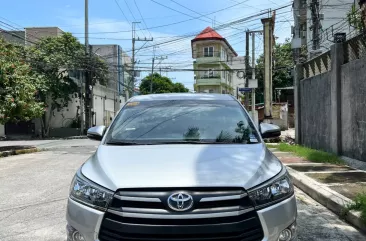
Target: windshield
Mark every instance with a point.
(169, 122)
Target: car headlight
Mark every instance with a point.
(274, 191)
(88, 193)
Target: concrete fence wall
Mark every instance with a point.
(330, 107)
(353, 99)
(315, 112)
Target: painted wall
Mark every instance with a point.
(199, 50)
(34, 34)
(238, 63)
(2, 130)
(207, 88)
(15, 37)
(65, 117)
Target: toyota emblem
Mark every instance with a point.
(180, 201)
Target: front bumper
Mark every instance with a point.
(273, 219)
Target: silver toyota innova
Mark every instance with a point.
(182, 167)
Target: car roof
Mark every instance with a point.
(182, 96)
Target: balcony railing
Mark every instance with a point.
(208, 55)
(216, 76)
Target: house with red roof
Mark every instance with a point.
(213, 57)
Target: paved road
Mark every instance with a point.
(34, 190)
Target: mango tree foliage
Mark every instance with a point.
(18, 86)
(160, 84)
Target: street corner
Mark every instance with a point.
(328, 185)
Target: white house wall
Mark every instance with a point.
(64, 117)
(238, 63)
(2, 130)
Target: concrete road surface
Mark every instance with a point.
(34, 189)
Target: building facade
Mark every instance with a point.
(213, 63)
(316, 22)
(14, 37)
(238, 64)
(34, 34)
(107, 100)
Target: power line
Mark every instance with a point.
(175, 10)
(194, 11)
(143, 20)
(170, 24)
(123, 13)
(133, 16)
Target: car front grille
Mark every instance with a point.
(217, 214)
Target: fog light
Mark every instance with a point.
(285, 235)
(293, 229)
(73, 234)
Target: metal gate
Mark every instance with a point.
(19, 128)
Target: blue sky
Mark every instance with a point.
(106, 16)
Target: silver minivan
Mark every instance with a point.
(182, 167)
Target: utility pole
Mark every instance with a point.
(247, 67)
(253, 75)
(81, 106)
(268, 27)
(87, 73)
(161, 58)
(314, 7)
(152, 71)
(133, 60)
(133, 53)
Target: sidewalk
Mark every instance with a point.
(28, 146)
(334, 186)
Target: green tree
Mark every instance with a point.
(354, 17)
(18, 86)
(283, 62)
(55, 57)
(179, 88)
(160, 84)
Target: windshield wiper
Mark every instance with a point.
(191, 142)
(123, 143)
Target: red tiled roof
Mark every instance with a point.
(208, 33)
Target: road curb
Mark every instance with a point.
(19, 152)
(327, 197)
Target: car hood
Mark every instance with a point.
(176, 165)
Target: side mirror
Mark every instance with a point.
(269, 130)
(96, 132)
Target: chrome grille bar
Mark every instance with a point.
(180, 216)
(138, 199)
(222, 198)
